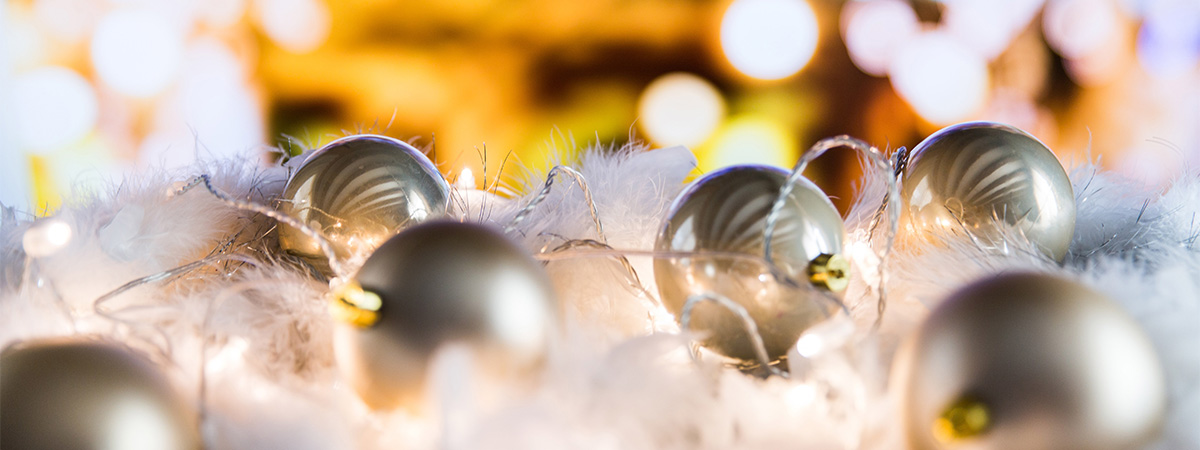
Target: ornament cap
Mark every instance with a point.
(966, 418)
(829, 271)
(351, 304)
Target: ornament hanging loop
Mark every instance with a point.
(756, 341)
(891, 201)
(545, 192)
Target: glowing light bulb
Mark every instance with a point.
(137, 52)
(943, 80)
(466, 179)
(769, 39)
(680, 109)
(46, 238)
(54, 106)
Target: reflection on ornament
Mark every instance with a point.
(726, 211)
(434, 284)
(975, 176)
(359, 191)
(85, 394)
(1029, 361)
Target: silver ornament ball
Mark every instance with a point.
(433, 284)
(359, 191)
(77, 394)
(726, 211)
(1029, 361)
(975, 176)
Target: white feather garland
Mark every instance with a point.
(247, 337)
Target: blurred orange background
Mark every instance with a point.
(94, 88)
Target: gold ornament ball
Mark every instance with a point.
(73, 394)
(726, 211)
(974, 176)
(359, 191)
(437, 283)
(1029, 361)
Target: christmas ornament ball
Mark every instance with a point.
(974, 176)
(1029, 361)
(359, 191)
(433, 284)
(726, 211)
(89, 395)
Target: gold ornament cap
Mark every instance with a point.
(351, 304)
(829, 271)
(966, 418)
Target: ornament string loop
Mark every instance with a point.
(760, 349)
(634, 281)
(326, 248)
(545, 192)
(891, 200)
(98, 305)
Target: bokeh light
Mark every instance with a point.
(1078, 28)
(1168, 42)
(750, 140)
(987, 27)
(769, 39)
(299, 26)
(680, 109)
(875, 30)
(68, 20)
(942, 79)
(137, 52)
(53, 107)
(213, 113)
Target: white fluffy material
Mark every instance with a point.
(248, 339)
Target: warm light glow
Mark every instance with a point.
(944, 81)
(810, 345)
(680, 109)
(1078, 28)
(137, 52)
(46, 238)
(519, 320)
(769, 39)
(751, 140)
(299, 26)
(466, 179)
(800, 396)
(53, 107)
(875, 30)
(137, 423)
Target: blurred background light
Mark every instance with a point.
(987, 26)
(53, 107)
(299, 26)
(1079, 28)
(212, 114)
(497, 86)
(1168, 42)
(137, 52)
(68, 20)
(750, 139)
(769, 39)
(874, 30)
(943, 80)
(680, 109)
